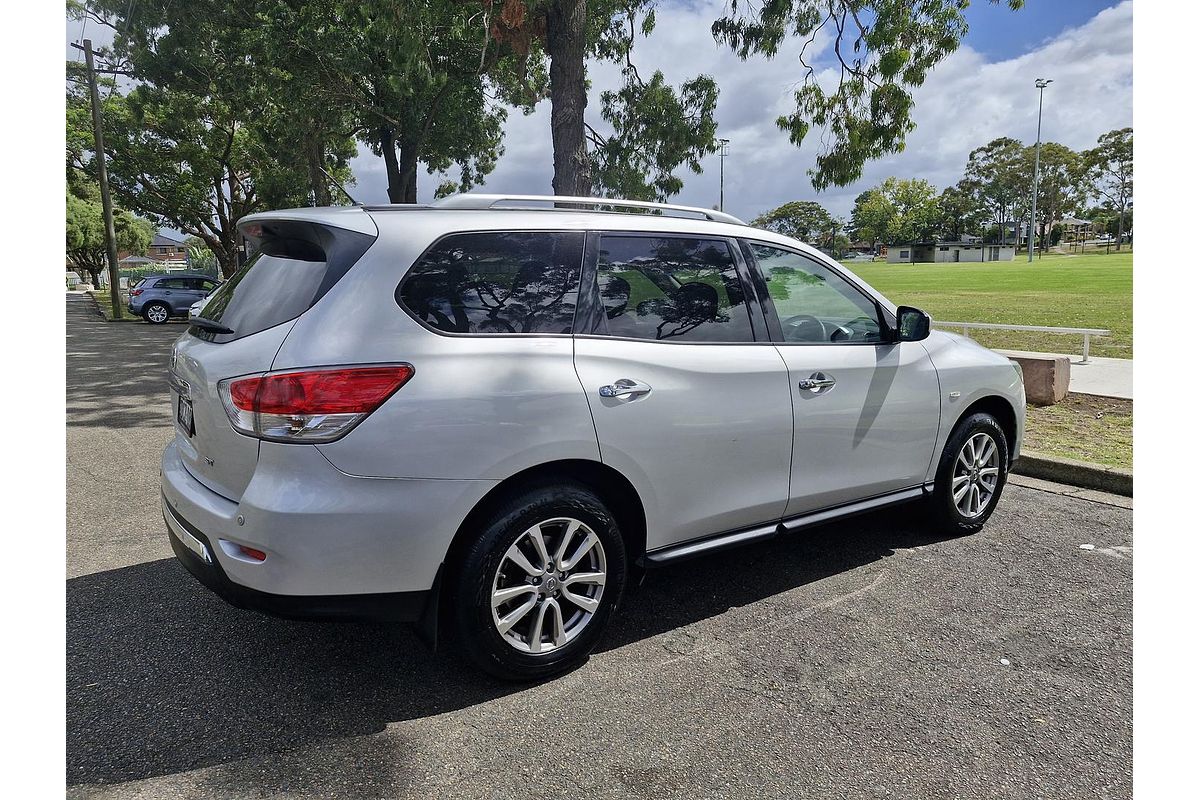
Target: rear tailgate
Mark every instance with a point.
(242, 326)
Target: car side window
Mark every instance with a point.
(672, 289)
(814, 303)
(172, 283)
(502, 282)
(207, 286)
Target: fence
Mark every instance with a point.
(1087, 333)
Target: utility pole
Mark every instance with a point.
(110, 233)
(1041, 84)
(724, 151)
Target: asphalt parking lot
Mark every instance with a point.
(864, 659)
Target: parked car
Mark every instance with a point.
(194, 311)
(157, 298)
(485, 418)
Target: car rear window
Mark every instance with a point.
(295, 265)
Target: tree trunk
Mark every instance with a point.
(566, 41)
(1120, 226)
(315, 154)
(387, 146)
(408, 170)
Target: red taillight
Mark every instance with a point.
(338, 391)
(135, 292)
(309, 405)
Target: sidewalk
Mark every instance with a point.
(1106, 377)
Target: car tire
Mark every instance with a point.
(521, 616)
(971, 475)
(156, 313)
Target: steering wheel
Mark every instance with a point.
(846, 331)
(800, 324)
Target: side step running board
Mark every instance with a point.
(724, 541)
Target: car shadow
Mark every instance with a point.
(163, 677)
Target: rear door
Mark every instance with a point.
(295, 264)
(686, 402)
(866, 411)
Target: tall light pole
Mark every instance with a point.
(1041, 84)
(724, 151)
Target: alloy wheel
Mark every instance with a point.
(548, 585)
(976, 475)
(157, 314)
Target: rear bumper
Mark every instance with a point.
(194, 550)
(337, 546)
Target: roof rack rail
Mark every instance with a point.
(487, 201)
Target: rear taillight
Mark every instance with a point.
(312, 406)
(135, 292)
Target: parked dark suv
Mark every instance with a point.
(157, 298)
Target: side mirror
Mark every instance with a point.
(912, 324)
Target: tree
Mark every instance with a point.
(1109, 169)
(915, 202)
(1060, 182)
(958, 212)
(655, 128)
(996, 174)
(801, 219)
(199, 257)
(85, 235)
(872, 215)
(883, 49)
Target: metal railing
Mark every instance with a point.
(1087, 333)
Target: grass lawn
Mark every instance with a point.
(1084, 291)
(104, 300)
(1085, 428)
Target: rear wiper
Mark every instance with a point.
(209, 325)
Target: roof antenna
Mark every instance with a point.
(338, 185)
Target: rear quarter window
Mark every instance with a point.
(496, 283)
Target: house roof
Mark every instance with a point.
(164, 241)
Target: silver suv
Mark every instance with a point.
(482, 415)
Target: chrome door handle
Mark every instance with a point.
(623, 388)
(816, 382)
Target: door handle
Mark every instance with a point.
(816, 382)
(623, 388)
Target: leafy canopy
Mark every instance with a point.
(882, 51)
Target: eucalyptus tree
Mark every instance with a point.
(1060, 186)
(650, 128)
(998, 176)
(805, 220)
(1109, 170)
(882, 50)
(85, 244)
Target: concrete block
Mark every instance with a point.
(1047, 378)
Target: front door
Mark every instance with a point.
(686, 404)
(866, 412)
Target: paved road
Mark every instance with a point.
(863, 660)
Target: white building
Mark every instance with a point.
(952, 252)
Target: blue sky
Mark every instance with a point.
(999, 33)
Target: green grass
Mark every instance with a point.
(104, 301)
(1084, 428)
(1076, 291)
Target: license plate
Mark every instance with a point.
(184, 416)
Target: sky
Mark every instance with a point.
(982, 91)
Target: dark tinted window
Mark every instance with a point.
(671, 289)
(172, 283)
(496, 283)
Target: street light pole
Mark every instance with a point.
(724, 151)
(1041, 84)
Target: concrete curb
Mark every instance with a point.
(1075, 473)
